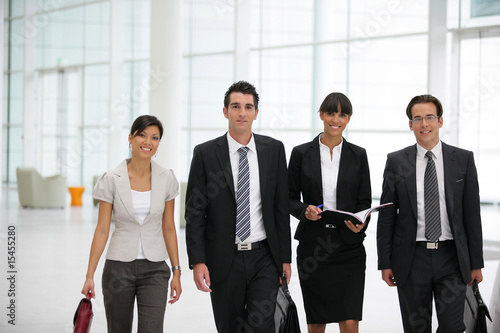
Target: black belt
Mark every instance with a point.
(250, 246)
(436, 245)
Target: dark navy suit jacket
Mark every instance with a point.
(397, 225)
(211, 204)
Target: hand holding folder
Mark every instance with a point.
(337, 217)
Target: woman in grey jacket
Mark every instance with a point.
(139, 194)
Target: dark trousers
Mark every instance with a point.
(123, 282)
(246, 299)
(434, 274)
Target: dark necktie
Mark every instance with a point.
(243, 197)
(431, 201)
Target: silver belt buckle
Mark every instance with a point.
(244, 246)
(330, 226)
(432, 246)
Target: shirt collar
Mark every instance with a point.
(437, 150)
(323, 146)
(235, 145)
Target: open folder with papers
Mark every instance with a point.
(337, 217)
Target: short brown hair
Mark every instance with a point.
(242, 87)
(424, 99)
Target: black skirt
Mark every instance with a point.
(332, 278)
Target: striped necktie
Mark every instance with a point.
(431, 201)
(243, 197)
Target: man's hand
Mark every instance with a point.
(287, 271)
(201, 277)
(476, 274)
(388, 277)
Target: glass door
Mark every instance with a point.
(60, 123)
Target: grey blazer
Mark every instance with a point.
(114, 187)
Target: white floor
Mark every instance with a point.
(52, 246)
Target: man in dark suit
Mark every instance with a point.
(237, 222)
(430, 242)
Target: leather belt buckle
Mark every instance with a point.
(330, 226)
(244, 246)
(432, 245)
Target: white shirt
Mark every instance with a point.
(142, 206)
(421, 164)
(329, 173)
(257, 231)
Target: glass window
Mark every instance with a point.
(13, 8)
(16, 54)
(473, 13)
(284, 87)
(285, 22)
(211, 77)
(211, 26)
(97, 32)
(137, 29)
(383, 79)
(479, 111)
(61, 41)
(374, 18)
(330, 20)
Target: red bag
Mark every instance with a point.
(83, 315)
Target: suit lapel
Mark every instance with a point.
(450, 168)
(408, 172)
(158, 182)
(123, 189)
(222, 153)
(345, 161)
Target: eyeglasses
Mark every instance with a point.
(418, 120)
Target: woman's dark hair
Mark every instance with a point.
(242, 87)
(332, 101)
(424, 99)
(145, 121)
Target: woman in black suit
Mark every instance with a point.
(334, 173)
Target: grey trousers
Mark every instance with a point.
(123, 282)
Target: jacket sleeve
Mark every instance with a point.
(365, 189)
(195, 214)
(282, 213)
(472, 215)
(387, 217)
(297, 207)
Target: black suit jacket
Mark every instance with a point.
(353, 189)
(211, 204)
(397, 225)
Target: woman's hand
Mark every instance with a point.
(175, 287)
(88, 286)
(312, 213)
(354, 227)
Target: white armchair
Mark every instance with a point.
(36, 191)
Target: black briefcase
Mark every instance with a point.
(286, 318)
(475, 311)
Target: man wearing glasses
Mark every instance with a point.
(430, 242)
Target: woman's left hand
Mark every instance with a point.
(175, 287)
(354, 227)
